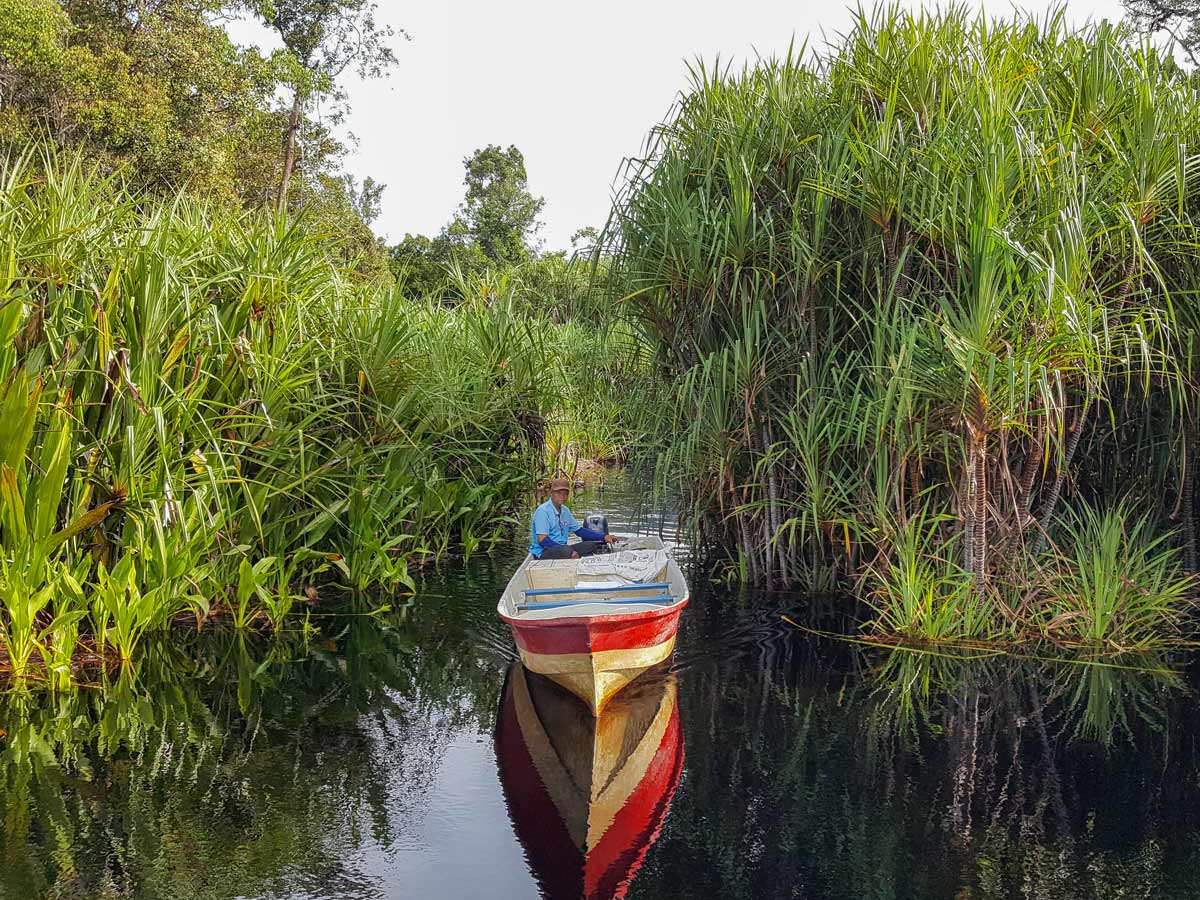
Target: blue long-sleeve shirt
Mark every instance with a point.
(557, 525)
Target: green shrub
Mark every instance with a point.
(920, 594)
(1112, 584)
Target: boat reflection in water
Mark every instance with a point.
(587, 796)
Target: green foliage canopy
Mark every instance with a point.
(494, 228)
(162, 91)
(499, 214)
(159, 91)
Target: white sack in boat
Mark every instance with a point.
(641, 542)
(632, 565)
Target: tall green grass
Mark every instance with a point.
(922, 594)
(202, 414)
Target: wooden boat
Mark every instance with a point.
(587, 796)
(595, 633)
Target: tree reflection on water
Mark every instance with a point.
(853, 772)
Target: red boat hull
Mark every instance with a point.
(594, 657)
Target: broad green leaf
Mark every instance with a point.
(18, 412)
(12, 508)
(56, 455)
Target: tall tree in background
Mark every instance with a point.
(1180, 19)
(158, 91)
(499, 214)
(325, 37)
(495, 227)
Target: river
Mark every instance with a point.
(397, 757)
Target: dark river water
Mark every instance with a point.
(405, 756)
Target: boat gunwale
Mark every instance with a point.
(615, 618)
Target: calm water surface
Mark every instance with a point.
(417, 761)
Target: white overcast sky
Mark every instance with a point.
(576, 86)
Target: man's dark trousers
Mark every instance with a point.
(583, 548)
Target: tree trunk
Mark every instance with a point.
(969, 526)
(755, 439)
(289, 150)
(1056, 489)
(914, 482)
(773, 496)
(768, 553)
(906, 264)
(1187, 497)
(747, 547)
(979, 494)
(739, 514)
(968, 512)
(1126, 286)
(1029, 468)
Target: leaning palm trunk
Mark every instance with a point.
(1029, 470)
(289, 149)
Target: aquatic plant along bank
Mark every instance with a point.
(924, 302)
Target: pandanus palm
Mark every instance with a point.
(1124, 114)
(980, 220)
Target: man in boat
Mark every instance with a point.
(553, 524)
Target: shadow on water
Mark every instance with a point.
(413, 760)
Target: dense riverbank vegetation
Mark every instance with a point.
(927, 303)
(912, 316)
(221, 396)
(204, 416)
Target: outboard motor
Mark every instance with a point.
(597, 522)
